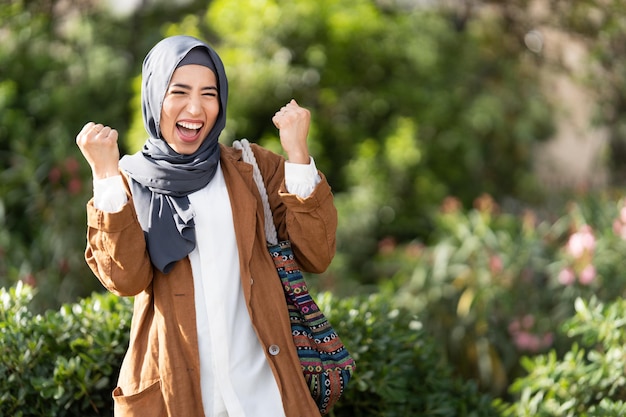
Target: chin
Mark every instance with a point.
(187, 148)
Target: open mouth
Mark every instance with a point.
(188, 130)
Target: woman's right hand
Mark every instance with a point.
(98, 144)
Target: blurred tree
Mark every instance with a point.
(410, 103)
(52, 62)
(62, 64)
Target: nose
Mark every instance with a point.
(194, 105)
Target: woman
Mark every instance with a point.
(179, 226)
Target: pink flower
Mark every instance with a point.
(547, 340)
(619, 228)
(485, 204)
(495, 264)
(71, 165)
(451, 205)
(387, 245)
(581, 242)
(527, 341)
(30, 280)
(622, 214)
(514, 327)
(567, 276)
(74, 186)
(64, 266)
(414, 249)
(619, 224)
(528, 321)
(54, 175)
(587, 275)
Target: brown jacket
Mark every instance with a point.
(160, 373)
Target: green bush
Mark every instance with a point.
(65, 363)
(400, 369)
(494, 286)
(588, 380)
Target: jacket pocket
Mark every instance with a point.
(146, 403)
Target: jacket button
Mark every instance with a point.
(274, 350)
(251, 281)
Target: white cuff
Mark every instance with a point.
(109, 194)
(301, 179)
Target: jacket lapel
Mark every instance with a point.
(239, 182)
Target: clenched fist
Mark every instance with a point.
(293, 123)
(98, 144)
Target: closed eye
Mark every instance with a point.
(209, 91)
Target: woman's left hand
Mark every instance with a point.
(293, 123)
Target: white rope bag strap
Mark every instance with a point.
(248, 156)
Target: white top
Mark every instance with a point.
(236, 380)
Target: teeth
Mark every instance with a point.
(194, 126)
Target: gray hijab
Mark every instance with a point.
(161, 179)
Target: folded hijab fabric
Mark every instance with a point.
(161, 179)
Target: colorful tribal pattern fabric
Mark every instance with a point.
(326, 363)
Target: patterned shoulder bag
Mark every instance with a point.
(326, 363)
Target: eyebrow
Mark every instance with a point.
(185, 86)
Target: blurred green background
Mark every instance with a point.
(476, 149)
